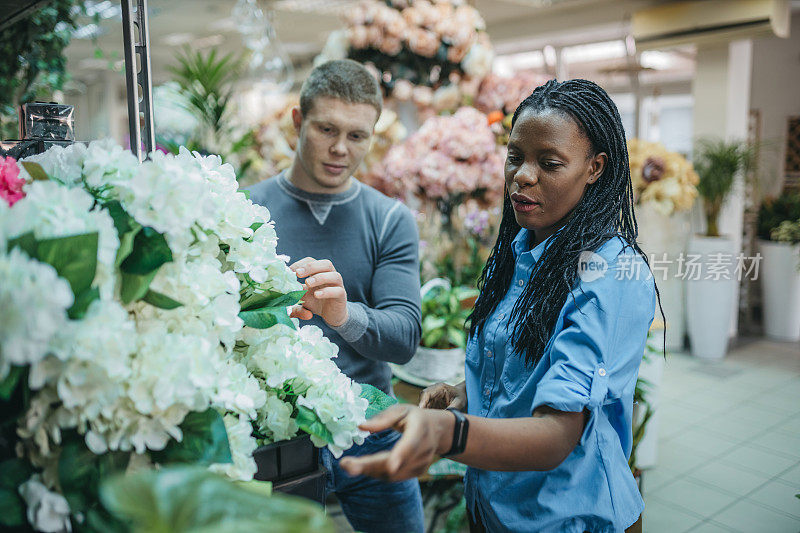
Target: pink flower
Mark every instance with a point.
(423, 42)
(10, 184)
(358, 37)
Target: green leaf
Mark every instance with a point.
(190, 498)
(13, 472)
(74, 258)
(150, 251)
(9, 383)
(82, 303)
(247, 195)
(266, 317)
(205, 441)
(127, 228)
(35, 170)
(378, 400)
(134, 286)
(271, 299)
(308, 421)
(161, 301)
(25, 242)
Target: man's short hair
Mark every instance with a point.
(343, 79)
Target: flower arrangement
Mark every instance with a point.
(505, 93)
(449, 159)
(431, 52)
(664, 179)
(145, 321)
(456, 251)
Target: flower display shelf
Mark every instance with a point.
(293, 468)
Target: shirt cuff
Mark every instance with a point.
(356, 324)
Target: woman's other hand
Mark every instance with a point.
(442, 396)
(426, 435)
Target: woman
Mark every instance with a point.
(556, 336)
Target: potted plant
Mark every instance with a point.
(440, 356)
(710, 289)
(779, 244)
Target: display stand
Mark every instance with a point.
(136, 39)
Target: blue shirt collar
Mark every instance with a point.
(522, 245)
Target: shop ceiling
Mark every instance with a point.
(303, 26)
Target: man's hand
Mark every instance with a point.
(325, 294)
(442, 396)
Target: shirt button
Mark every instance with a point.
(487, 392)
(520, 282)
(602, 371)
(501, 316)
(489, 354)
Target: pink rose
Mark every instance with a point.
(403, 90)
(10, 184)
(391, 46)
(358, 37)
(374, 36)
(423, 42)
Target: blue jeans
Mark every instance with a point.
(371, 505)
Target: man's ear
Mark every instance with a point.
(297, 119)
(596, 168)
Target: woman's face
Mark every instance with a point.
(550, 163)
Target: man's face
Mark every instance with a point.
(333, 139)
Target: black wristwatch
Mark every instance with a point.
(459, 433)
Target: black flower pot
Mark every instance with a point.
(289, 458)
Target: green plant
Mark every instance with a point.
(183, 499)
(775, 211)
(444, 316)
(717, 162)
(207, 82)
(787, 231)
(32, 62)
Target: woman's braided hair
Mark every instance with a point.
(604, 211)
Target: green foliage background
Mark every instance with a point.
(32, 62)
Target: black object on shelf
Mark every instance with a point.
(310, 486)
(27, 147)
(293, 468)
(289, 458)
(46, 120)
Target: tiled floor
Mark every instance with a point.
(729, 443)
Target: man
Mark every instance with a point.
(358, 257)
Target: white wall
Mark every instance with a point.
(776, 94)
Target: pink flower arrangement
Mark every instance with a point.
(500, 93)
(10, 182)
(445, 36)
(448, 158)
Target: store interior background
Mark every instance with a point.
(728, 84)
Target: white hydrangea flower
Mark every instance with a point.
(238, 390)
(48, 511)
(304, 358)
(275, 419)
(51, 210)
(61, 163)
(242, 446)
(33, 306)
(108, 164)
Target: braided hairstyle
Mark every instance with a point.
(604, 211)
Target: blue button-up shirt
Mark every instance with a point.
(590, 363)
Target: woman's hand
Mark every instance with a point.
(426, 435)
(442, 396)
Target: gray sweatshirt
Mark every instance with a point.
(373, 243)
